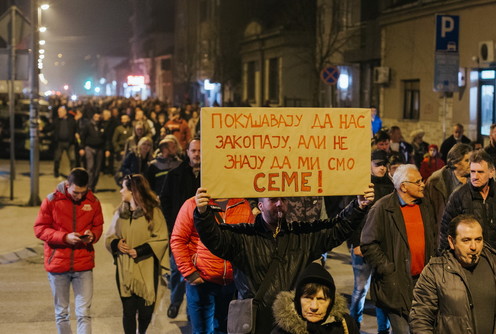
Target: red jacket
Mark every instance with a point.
(193, 259)
(59, 216)
(430, 165)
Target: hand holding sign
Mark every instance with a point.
(202, 198)
(367, 198)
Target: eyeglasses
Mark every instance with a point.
(418, 182)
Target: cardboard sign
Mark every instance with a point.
(282, 152)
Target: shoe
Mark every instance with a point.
(172, 311)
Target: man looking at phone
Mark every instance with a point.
(70, 221)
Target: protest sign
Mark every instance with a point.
(282, 152)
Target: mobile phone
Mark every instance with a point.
(84, 236)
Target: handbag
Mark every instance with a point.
(242, 314)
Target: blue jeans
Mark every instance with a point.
(82, 285)
(176, 283)
(362, 274)
(208, 305)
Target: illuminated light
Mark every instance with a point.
(87, 85)
(74, 97)
(42, 78)
(56, 63)
(59, 55)
(207, 85)
(97, 90)
(135, 80)
(42, 29)
(40, 66)
(42, 51)
(48, 93)
(42, 57)
(45, 6)
(102, 81)
(42, 42)
(114, 83)
(66, 87)
(343, 81)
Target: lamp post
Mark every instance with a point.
(34, 155)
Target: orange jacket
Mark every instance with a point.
(193, 259)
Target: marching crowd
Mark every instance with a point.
(421, 236)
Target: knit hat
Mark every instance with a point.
(434, 146)
(379, 156)
(314, 273)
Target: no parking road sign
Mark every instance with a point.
(330, 75)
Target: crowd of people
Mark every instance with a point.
(421, 236)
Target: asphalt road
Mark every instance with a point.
(26, 302)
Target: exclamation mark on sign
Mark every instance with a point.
(319, 180)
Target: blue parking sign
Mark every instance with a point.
(447, 31)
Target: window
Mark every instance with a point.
(411, 99)
(274, 80)
(165, 64)
(250, 80)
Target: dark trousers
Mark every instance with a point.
(131, 306)
(60, 148)
(94, 160)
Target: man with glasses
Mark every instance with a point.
(70, 221)
(397, 240)
(476, 197)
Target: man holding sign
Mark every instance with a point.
(272, 242)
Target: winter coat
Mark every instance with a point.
(437, 191)
(93, 135)
(288, 321)
(193, 259)
(448, 143)
(158, 170)
(181, 184)
(140, 275)
(384, 244)
(382, 187)
(119, 138)
(467, 200)
(430, 165)
(441, 299)
(59, 215)
(65, 130)
(134, 164)
(251, 247)
(180, 129)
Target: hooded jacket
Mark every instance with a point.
(193, 259)
(287, 308)
(59, 215)
(442, 300)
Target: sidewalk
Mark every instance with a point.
(17, 239)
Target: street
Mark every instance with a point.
(24, 290)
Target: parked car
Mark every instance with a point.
(21, 130)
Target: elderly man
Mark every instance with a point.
(476, 197)
(456, 291)
(397, 241)
(455, 138)
(272, 245)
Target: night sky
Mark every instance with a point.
(80, 30)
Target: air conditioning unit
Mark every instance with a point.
(381, 75)
(486, 51)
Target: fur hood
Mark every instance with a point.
(289, 320)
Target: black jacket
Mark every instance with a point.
(466, 199)
(448, 144)
(384, 244)
(180, 184)
(65, 130)
(250, 248)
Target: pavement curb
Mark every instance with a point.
(21, 254)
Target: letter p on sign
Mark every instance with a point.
(447, 25)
